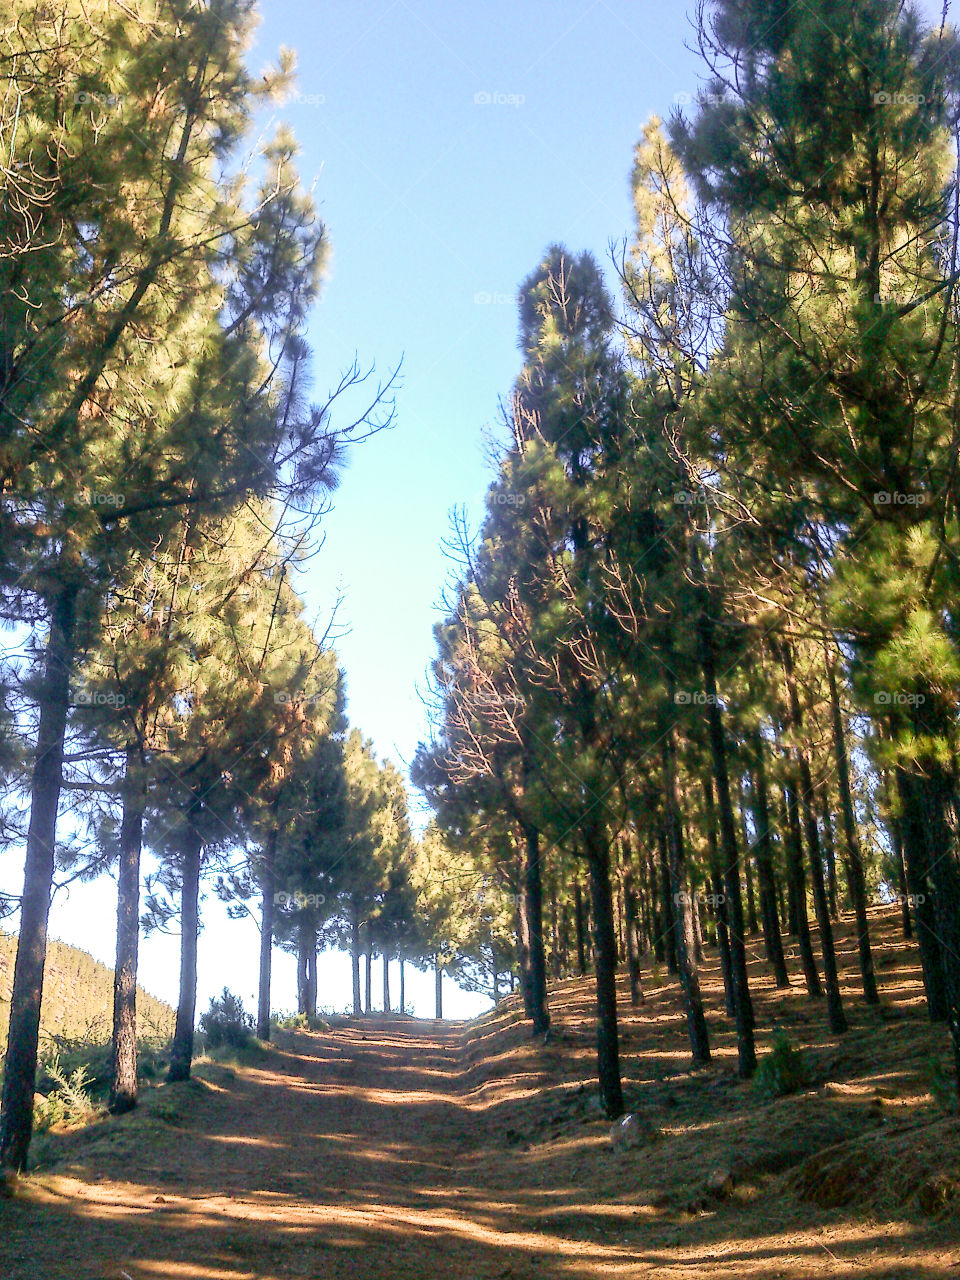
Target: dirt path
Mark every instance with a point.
(348, 1154)
(369, 1152)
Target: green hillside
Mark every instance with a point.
(77, 995)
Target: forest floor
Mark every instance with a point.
(396, 1148)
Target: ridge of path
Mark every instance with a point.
(356, 1153)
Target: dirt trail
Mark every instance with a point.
(353, 1153)
(391, 1148)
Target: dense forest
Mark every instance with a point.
(698, 671)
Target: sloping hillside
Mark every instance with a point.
(77, 995)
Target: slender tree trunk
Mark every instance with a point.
(853, 862)
(668, 898)
(730, 857)
(554, 931)
(438, 986)
(697, 922)
(355, 959)
(301, 977)
(838, 1019)
(798, 888)
(368, 978)
(123, 1086)
(749, 852)
(23, 1037)
(181, 1050)
(403, 994)
(689, 977)
(830, 858)
(580, 928)
(268, 889)
(386, 983)
(659, 927)
(310, 944)
(532, 910)
(719, 896)
(605, 960)
(765, 874)
(907, 927)
(917, 856)
(632, 923)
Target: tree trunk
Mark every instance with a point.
(438, 986)
(765, 874)
(301, 977)
(853, 862)
(605, 960)
(581, 931)
(917, 857)
(310, 946)
(532, 911)
(683, 934)
(368, 978)
(719, 897)
(659, 927)
(386, 984)
(798, 890)
(181, 1050)
(403, 994)
(838, 1019)
(20, 1066)
(554, 931)
(668, 894)
(123, 1086)
(830, 859)
(355, 959)
(697, 922)
(632, 924)
(268, 889)
(730, 856)
(753, 924)
(906, 925)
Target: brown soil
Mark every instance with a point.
(397, 1148)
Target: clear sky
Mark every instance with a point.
(451, 143)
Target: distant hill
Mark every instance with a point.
(77, 996)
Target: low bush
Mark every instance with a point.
(783, 1070)
(226, 1023)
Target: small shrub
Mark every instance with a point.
(783, 1070)
(68, 1102)
(226, 1023)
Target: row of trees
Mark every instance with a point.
(700, 668)
(162, 471)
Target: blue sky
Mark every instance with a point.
(451, 144)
